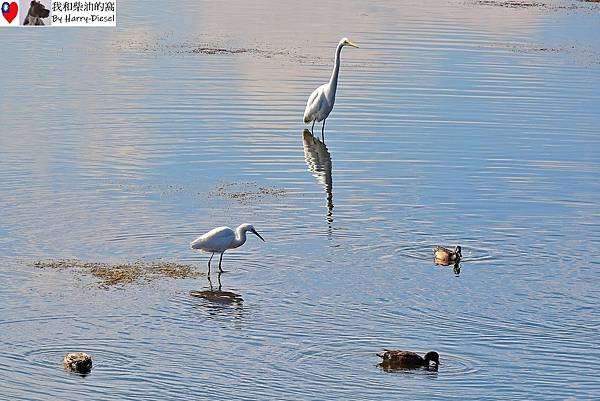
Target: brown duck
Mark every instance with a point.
(396, 359)
(447, 256)
(79, 362)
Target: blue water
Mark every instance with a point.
(455, 122)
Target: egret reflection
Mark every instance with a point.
(218, 296)
(318, 160)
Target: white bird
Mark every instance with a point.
(220, 239)
(320, 102)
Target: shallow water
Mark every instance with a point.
(456, 122)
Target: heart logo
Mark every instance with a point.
(9, 11)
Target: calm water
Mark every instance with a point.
(455, 122)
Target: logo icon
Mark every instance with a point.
(9, 11)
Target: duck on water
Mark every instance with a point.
(397, 359)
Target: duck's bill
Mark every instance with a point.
(258, 235)
(352, 44)
(433, 365)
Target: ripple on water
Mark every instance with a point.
(107, 355)
(474, 252)
(114, 362)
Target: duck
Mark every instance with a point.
(447, 256)
(78, 362)
(397, 359)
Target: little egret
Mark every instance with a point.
(320, 102)
(220, 239)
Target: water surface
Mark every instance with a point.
(455, 122)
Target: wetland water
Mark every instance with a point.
(456, 122)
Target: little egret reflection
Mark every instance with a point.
(220, 239)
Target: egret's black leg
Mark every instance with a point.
(313, 126)
(211, 256)
(323, 131)
(220, 260)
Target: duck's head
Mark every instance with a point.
(458, 250)
(434, 357)
(347, 42)
(250, 228)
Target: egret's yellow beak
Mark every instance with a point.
(351, 44)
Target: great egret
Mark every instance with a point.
(320, 102)
(220, 239)
(396, 359)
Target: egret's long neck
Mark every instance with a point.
(336, 69)
(240, 238)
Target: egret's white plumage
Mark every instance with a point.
(220, 239)
(320, 103)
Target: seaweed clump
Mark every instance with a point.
(246, 192)
(121, 274)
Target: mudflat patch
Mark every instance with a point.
(510, 4)
(532, 4)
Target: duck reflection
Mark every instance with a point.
(456, 269)
(218, 296)
(391, 368)
(430, 371)
(318, 160)
(455, 265)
